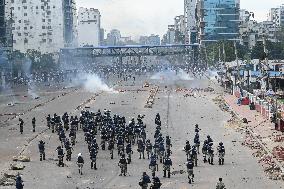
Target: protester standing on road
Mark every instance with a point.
(21, 125)
(41, 150)
(34, 124)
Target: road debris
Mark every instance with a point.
(21, 158)
(17, 166)
(151, 98)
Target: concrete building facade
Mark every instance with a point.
(113, 37)
(276, 15)
(190, 20)
(45, 25)
(89, 27)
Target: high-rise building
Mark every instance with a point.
(150, 40)
(69, 21)
(113, 38)
(45, 25)
(218, 20)
(276, 15)
(2, 23)
(190, 20)
(89, 27)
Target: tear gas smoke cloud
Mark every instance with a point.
(171, 75)
(212, 74)
(27, 67)
(91, 83)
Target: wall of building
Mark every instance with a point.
(37, 25)
(2, 23)
(190, 19)
(218, 20)
(89, 27)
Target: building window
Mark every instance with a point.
(25, 28)
(43, 27)
(44, 40)
(50, 40)
(43, 20)
(25, 14)
(25, 7)
(26, 41)
(19, 34)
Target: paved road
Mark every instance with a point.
(179, 115)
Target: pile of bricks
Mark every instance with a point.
(278, 152)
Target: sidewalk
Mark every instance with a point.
(261, 127)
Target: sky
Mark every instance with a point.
(145, 17)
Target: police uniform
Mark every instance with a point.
(167, 166)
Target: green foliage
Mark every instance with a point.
(39, 62)
(275, 50)
(225, 51)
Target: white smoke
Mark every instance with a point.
(91, 83)
(27, 67)
(212, 74)
(171, 75)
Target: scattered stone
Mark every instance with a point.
(21, 158)
(17, 166)
(178, 172)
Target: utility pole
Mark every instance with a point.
(237, 61)
(265, 62)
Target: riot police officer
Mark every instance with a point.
(19, 182)
(221, 153)
(141, 148)
(167, 166)
(187, 149)
(128, 150)
(80, 163)
(153, 166)
(41, 148)
(156, 184)
(210, 153)
(111, 147)
(189, 166)
(194, 155)
(60, 154)
(197, 142)
(93, 157)
(168, 143)
(220, 184)
(161, 151)
(145, 180)
(48, 119)
(123, 165)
